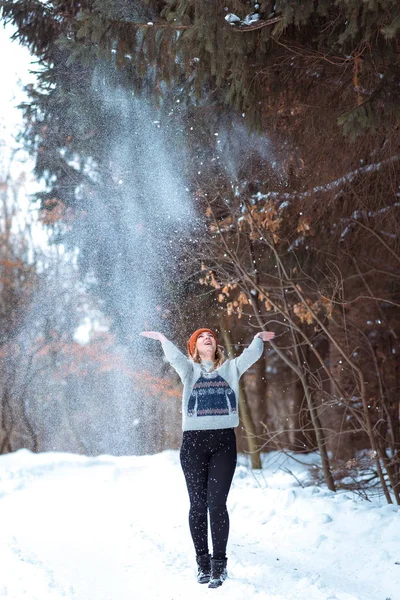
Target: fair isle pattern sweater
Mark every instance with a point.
(210, 398)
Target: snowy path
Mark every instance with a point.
(116, 529)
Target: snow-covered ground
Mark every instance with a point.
(111, 528)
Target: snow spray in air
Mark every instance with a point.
(139, 215)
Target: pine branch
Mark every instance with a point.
(151, 25)
(257, 25)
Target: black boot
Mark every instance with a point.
(218, 572)
(204, 568)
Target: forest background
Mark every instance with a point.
(227, 164)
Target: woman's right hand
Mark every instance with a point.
(154, 335)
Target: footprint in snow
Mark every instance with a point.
(325, 518)
(30, 558)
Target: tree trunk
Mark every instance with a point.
(244, 411)
(301, 432)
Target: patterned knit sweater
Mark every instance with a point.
(210, 398)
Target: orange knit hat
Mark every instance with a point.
(191, 345)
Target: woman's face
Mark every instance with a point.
(205, 343)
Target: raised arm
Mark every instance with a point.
(253, 352)
(175, 357)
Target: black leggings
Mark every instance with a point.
(208, 460)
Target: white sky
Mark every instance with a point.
(14, 73)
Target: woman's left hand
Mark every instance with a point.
(266, 336)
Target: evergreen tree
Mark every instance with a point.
(304, 97)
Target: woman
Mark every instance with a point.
(208, 451)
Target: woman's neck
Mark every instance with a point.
(207, 357)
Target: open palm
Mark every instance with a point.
(154, 335)
(266, 336)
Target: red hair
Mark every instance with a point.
(191, 345)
